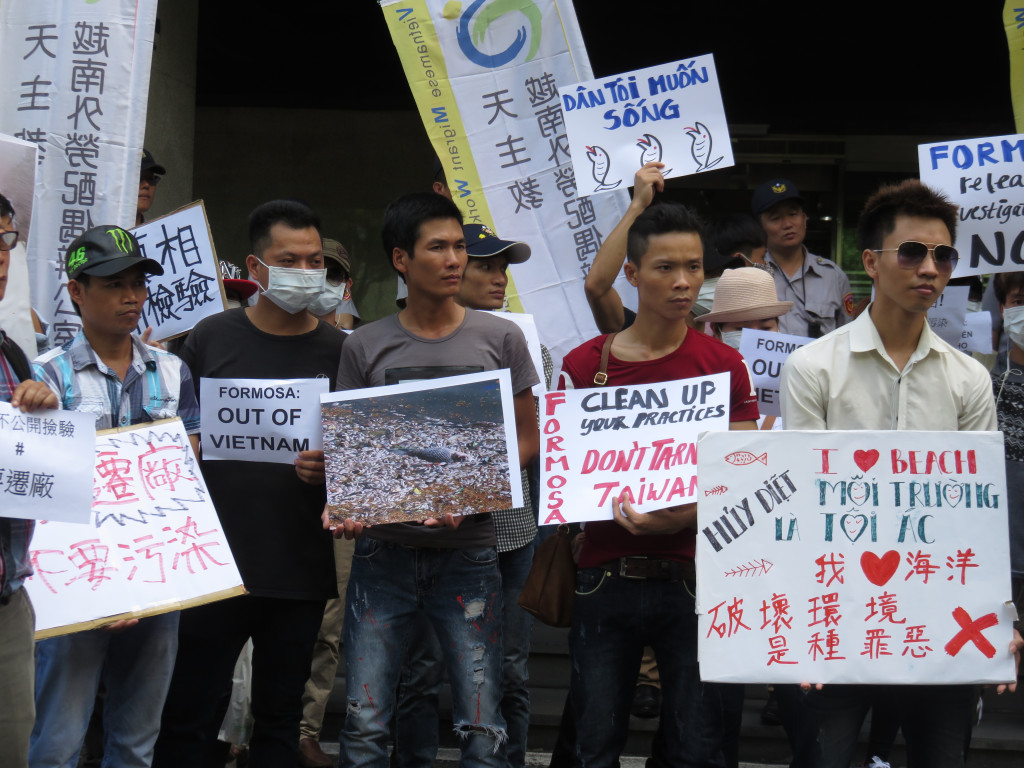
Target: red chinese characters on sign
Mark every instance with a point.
(158, 471)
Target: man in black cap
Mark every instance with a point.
(149, 176)
(818, 288)
(106, 370)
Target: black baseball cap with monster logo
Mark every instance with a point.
(105, 251)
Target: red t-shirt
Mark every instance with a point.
(698, 355)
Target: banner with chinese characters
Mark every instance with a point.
(485, 76)
(75, 83)
(420, 449)
(765, 353)
(153, 542)
(190, 287)
(260, 419)
(853, 557)
(639, 442)
(671, 113)
(984, 178)
(44, 464)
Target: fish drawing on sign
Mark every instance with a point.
(433, 454)
(743, 458)
(651, 151)
(718, 490)
(701, 149)
(601, 164)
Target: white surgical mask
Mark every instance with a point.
(973, 306)
(1013, 324)
(732, 338)
(293, 289)
(329, 300)
(706, 294)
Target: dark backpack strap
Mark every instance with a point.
(15, 358)
(601, 377)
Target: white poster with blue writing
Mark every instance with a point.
(637, 443)
(671, 113)
(985, 179)
(261, 419)
(853, 557)
(765, 353)
(189, 289)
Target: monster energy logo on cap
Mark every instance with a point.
(122, 240)
(107, 250)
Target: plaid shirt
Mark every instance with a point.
(515, 528)
(15, 535)
(158, 385)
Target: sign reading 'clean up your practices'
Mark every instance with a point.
(261, 419)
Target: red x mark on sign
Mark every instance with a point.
(971, 630)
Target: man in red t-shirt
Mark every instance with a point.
(636, 581)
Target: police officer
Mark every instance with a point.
(818, 288)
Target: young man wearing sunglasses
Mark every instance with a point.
(887, 370)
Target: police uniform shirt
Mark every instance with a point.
(821, 295)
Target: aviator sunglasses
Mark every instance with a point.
(8, 240)
(910, 254)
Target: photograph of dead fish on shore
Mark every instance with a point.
(421, 449)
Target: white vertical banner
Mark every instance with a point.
(75, 83)
(485, 76)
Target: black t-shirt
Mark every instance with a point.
(270, 517)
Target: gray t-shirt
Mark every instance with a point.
(383, 352)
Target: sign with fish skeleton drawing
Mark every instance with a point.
(671, 113)
(637, 442)
(853, 557)
(422, 449)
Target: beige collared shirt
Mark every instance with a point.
(847, 381)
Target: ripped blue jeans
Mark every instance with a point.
(459, 591)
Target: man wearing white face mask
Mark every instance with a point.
(335, 305)
(270, 512)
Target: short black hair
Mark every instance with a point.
(908, 198)
(734, 233)
(406, 214)
(660, 219)
(292, 213)
(6, 209)
(1004, 282)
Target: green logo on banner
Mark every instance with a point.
(494, 11)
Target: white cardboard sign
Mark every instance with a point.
(765, 352)
(854, 557)
(638, 441)
(260, 419)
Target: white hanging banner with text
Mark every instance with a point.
(984, 178)
(854, 557)
(189, 289)
(765, 353)
(671, 113)
(45, 460)
(153, 542)
(261, 419)
(637, 441)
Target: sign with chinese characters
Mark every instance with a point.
(190, 288)
(76, 81)
(153, 542)
(260, 419)
(983, 177)
(947, 315)
(765, 353)
(44, 464)
(485, 78)
(639, 442)
(671, 114)
(420, 449)
(853, 557)
(528, 326)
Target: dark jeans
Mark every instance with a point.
(210, 638)
(936, 721)
(614, 618)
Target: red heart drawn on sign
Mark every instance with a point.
(865, 459)
(880, 569)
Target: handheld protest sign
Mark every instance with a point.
(853, 557)
(153, 542)
(639, 441)
(765, 353)
(190, 287)
(260, 419)
(45, 464)
(671, 113)
(421, 449)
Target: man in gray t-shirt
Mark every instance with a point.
(446, 568)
